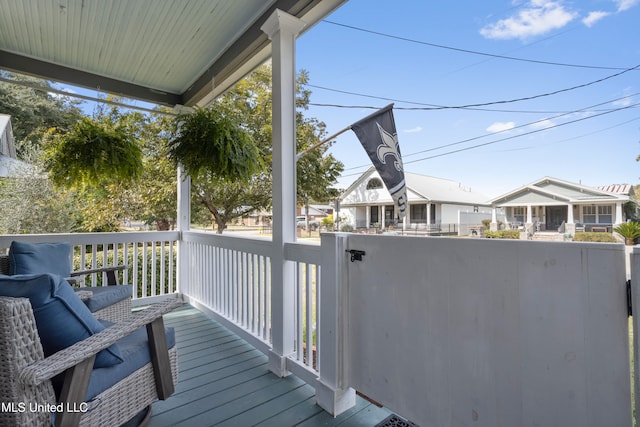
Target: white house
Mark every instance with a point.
(8, 161)
(433, 203)
(549, 203)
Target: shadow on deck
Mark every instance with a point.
(224, 381)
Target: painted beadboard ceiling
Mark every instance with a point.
(162, 51)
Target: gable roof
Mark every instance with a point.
(419, 188)
(161, 51)
(550, 191)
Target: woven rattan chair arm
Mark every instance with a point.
(51, 366)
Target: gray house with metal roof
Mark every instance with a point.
(432, 201)
(550, 204)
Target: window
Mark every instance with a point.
(589, 214)
(418, 213)
(519, 213)
(374, 183)
(604, 215)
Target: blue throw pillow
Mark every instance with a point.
(29, 258)
(61, 317)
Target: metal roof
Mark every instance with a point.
(162, 51)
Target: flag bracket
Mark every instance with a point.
(356, 254)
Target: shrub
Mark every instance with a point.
(594, 237)
(486, 224)
(503, 234)
(630, 231)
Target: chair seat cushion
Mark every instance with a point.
(29, 258)
(135, 352)
(62, 319)
(105, 296)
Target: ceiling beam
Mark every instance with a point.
(50, 71)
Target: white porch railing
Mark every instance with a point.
(150, 258)
(230, 278)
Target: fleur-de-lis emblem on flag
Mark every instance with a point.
(389, 147)
(378, 136)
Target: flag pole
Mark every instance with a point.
(324, 141)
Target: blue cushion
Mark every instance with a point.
(104, 296)
(28, 258)
(61, 317)
(135, 352)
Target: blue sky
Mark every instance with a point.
(420, 54)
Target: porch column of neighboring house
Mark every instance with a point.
(618, 218)
(282, 29)
(383, 220)
(529, 215)
(367, 216)
(407, 219)
(494, 218)
(570, 226)
(429, 213)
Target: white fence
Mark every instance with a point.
(488, 333)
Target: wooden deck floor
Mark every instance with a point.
(223, 381)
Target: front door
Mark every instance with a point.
(555, 216)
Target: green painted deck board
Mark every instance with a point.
(224, 381)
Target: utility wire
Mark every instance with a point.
(508, 130)
(474, 52)
(432, 107)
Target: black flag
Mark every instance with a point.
(378, 136)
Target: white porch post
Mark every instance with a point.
(618, 218)
(383, 217)
(183, 223)
(494, 218)
(406, 221)
(333, 393)
(570, 218)
(367, 215)
(282, 29)
(529, 214)
(428, 213)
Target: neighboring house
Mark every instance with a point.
(553, 204)
(433, 202)
(316, 212)
(8, 161)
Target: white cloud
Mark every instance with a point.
(536, 18)
(594, 17)
(626, 101)
(543, 124)
(414, 130)
(501, 126)
(625, 4)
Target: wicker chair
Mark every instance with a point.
(25, 374)
(114, 313)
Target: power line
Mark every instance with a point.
(431, 107)
(474, 52)
(508, 130)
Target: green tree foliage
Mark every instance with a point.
(34, 109)
(249, 102)
(29, 204)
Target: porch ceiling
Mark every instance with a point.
(160, 51)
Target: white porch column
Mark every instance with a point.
(368, 215)
(406, 221)
(428, 213)
(383, 217)
(333, 393)
(618, 218)
(494, 219)
(570, 219)
(282, 29)
(183, 223)
(529, 214)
